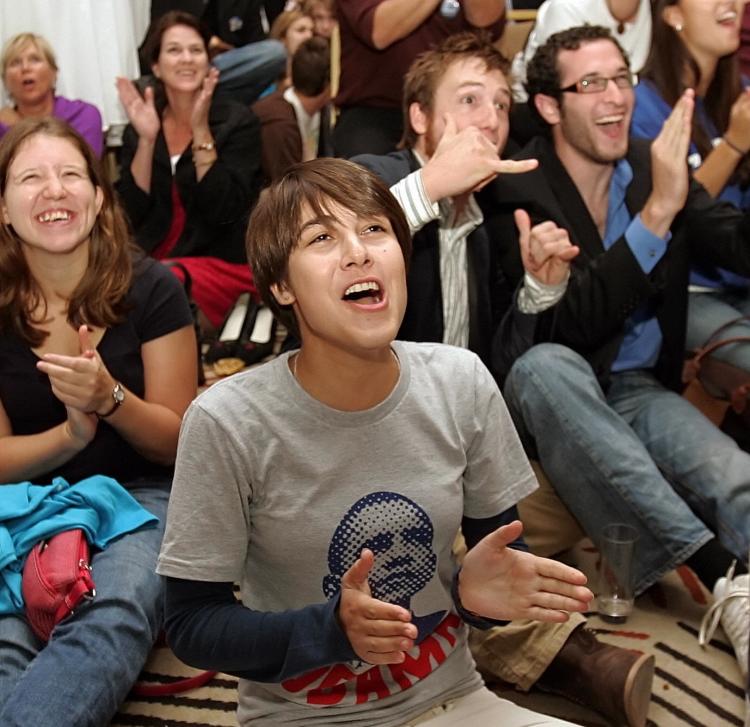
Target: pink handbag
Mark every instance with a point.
(56, 578)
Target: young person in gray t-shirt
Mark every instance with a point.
(332, 481)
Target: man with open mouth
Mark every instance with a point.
(597, 397)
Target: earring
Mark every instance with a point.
(678, 27)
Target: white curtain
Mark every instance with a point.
(94, 41)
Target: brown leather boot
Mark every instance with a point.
(611, 680)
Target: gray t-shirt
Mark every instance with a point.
(279, 492)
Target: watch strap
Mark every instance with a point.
(118, 398)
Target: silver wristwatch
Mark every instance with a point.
(118, 396)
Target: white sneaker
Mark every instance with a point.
(732, 607)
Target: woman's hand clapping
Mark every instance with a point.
(202, 104)
(141, 110)
(80, 382)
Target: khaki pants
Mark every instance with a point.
(520, 652)
(482, 708)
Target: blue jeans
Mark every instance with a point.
(639, 454)
(84, 673)
(709, 311)
(245, 72)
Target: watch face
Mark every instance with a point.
(118, 394)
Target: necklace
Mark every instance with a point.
(296, 358)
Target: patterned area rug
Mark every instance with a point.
(692, 686)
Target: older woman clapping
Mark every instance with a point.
(190, 165)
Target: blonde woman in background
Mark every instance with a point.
(292, 28)
(29, 73)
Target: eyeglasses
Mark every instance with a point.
(598, 84)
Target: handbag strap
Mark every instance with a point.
(739, 394)
(710, 348)
(721, 328)
(82, 588)
(141, 689)
(692, 364)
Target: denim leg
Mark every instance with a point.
(709, 311)
(245, 72)
(93, 658)
(704, 465)
(596, 462)
(18, 646)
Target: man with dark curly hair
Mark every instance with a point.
(598, 396)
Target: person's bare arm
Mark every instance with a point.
(624, 11)
(481, 13)
(395, 19)
(23, 457)
(149, 424)
(152, 424)
(719, 165)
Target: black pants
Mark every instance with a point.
(366, 130)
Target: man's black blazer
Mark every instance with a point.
(607, 286)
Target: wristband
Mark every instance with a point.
(732, 146)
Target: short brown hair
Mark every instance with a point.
(424, 75)
(311, 67)
(99, 297)
(275, 224)
(162, 24)
(152, 46)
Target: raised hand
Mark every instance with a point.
(464, 161)
(546, 250)
(80, 382)
(669, 170)
(202, 104)
(379, 632)
(141, 110)
(738, 132)
(502, 583)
